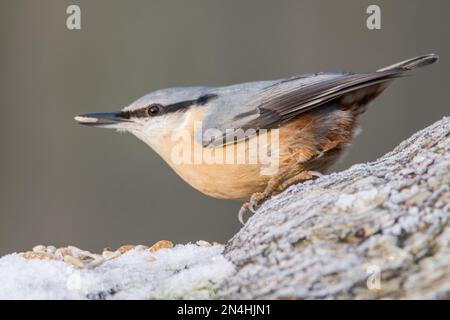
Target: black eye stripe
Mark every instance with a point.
(124, 114)
(179, 106)
(183, 105)
(139, 113)
(205, 98)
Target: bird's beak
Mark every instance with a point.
(110, 119)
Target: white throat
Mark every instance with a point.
(158, 132)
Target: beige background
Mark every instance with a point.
(61, 183)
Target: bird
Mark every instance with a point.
(210, 135)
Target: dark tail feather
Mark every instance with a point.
(413, 63)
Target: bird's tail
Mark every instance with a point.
(413, 63)
(376, 82)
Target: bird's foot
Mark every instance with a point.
(301, 177)
(250, 207)
(275, 186)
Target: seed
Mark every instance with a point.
(61, 253)
(95, 263)
(86, 255)
(125, 248)
(39, 248)
(215, 244)
(50, 249)
(76, 252)
(36, 255)
(73, 261)
(108, 255)
(203, 243)
(162, 244)
(140, 247)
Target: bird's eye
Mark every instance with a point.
(154, 109)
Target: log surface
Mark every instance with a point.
(376, 230)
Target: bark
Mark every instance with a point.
(335, 237)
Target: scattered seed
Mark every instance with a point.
(86, 255)
(76, 252)
(203, 243)
(108, 255)
(40, 248)
(162, 244)
(61, 253)
(86, 259)
(125, 248)
(50, 249)
(73, 261)
(95, 263)
(36, 255)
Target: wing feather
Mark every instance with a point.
(264, 105)
(281, 107)
(283, 101)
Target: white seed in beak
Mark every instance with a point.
(86, 119)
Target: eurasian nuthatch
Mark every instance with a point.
(249, 141)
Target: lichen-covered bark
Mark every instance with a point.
(386, 220)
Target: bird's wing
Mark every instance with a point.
(279, 106)
(284, 100)
(266, 105)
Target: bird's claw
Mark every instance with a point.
(251, 206)
(315, 174)
(244, 210)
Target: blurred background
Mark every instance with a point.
(61, 183)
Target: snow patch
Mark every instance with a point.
(183, 272)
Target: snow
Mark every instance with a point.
(183, 272)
